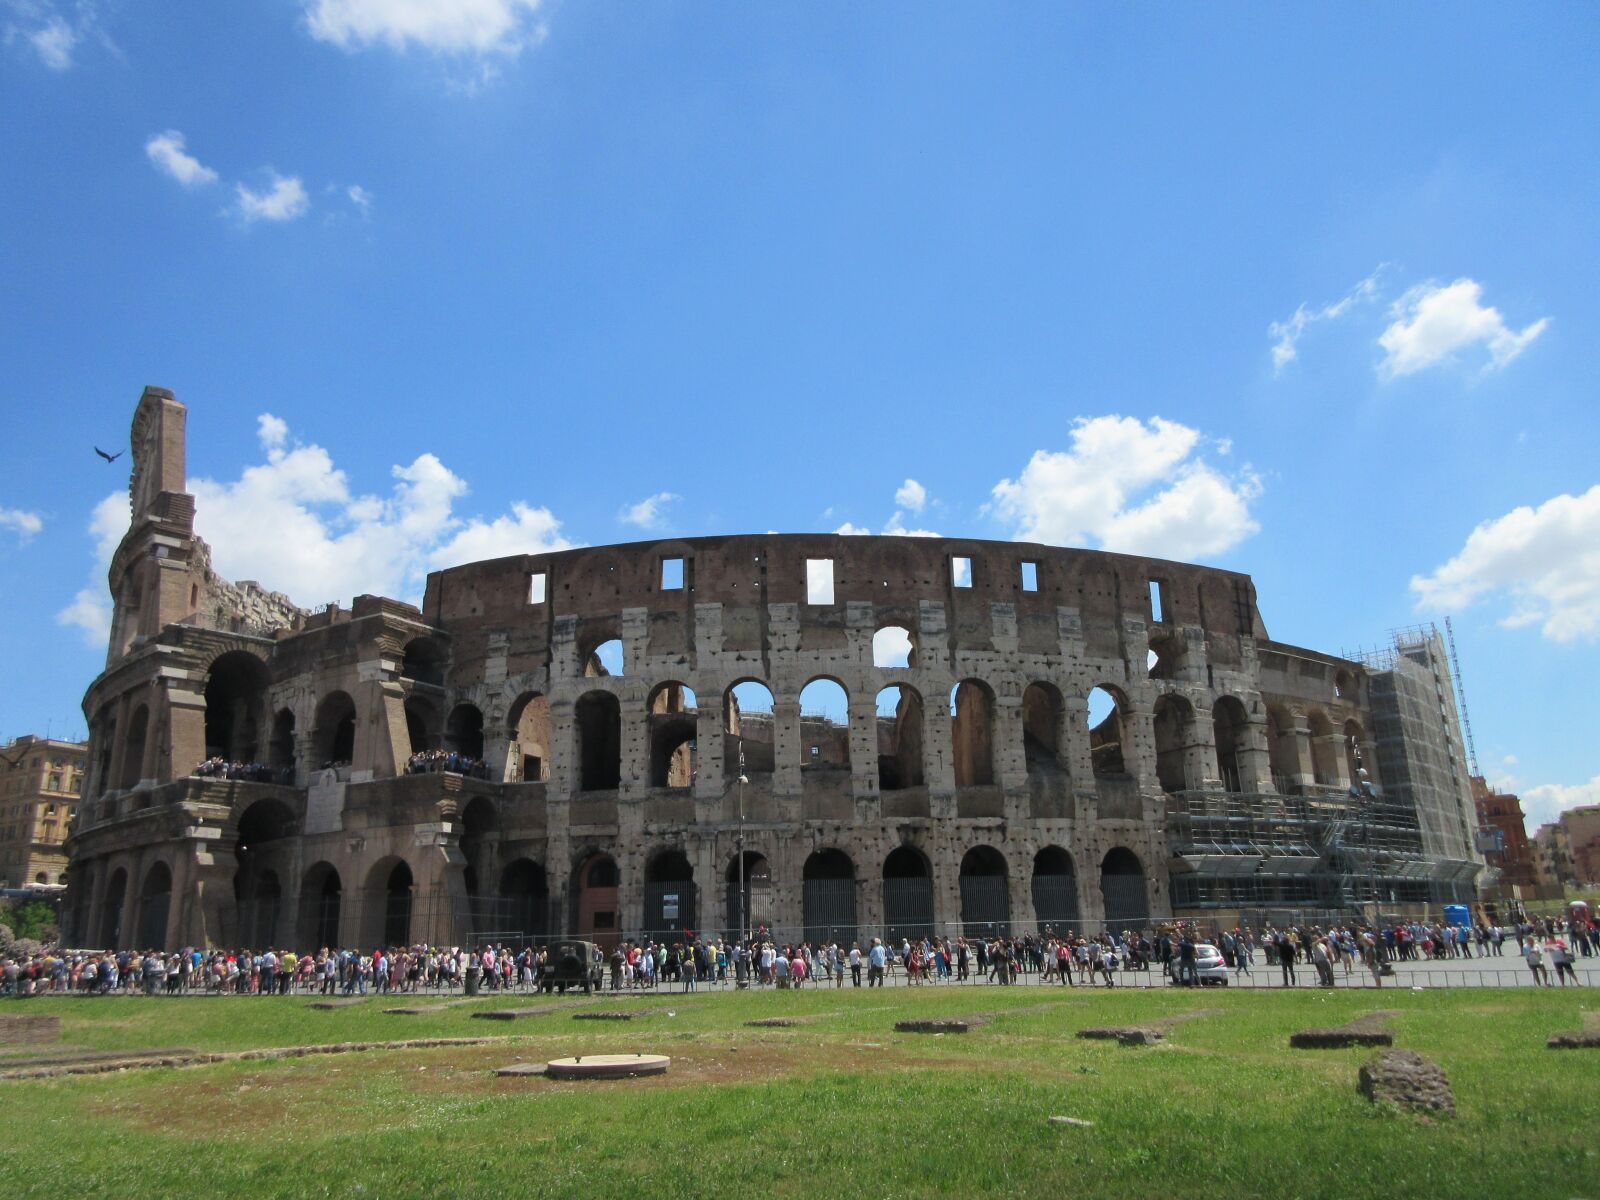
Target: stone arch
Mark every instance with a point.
(388, 901)
(480, 836)
(1055, 891)
(1324, 748)
(900, 733)
(1042, 712)
(1176, 731)
(281, 750)
(112, 910)
(595, 889)
(669, 895)
(828, 897)
(972, 733)
(894, 646)
(464, 730)
(673, 717)
(525, 899)
(907, 894)
(1357, 770)
(321, 898)
(155, 904)
(598, 717)
(1108, 732)
(133, 747)
(985, 893)
(755, 902)
(236, 706)
(601, 652)
(1123, 890)
(825, 729)
(1283, 749)
(334, 732)
(1231, 730)
(267, 830)
(530, 736)
(424, 660)
(749, 727)
(423, 727)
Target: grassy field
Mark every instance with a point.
(839, 1106)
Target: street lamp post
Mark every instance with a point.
(744, 936)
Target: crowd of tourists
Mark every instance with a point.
(251, 772)
(432, 762)
(1177, 950)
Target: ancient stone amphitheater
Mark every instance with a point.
(824, 736)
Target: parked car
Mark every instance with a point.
(1209, 968)
(571, 964)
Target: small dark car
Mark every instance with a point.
(571, 964)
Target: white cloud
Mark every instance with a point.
(459, 27)
(647, 514)
(166, 151)
(271, 431)
(26, 525)
(54, 43)
(849, 530)
(1432, 322)
(911, 495)
(285, 201)
(360, 197)
(527, 530)
(1286, 334)
(1132, 487)
(1545, 803)
(1546, 560)
(896, 527)
(90, 609)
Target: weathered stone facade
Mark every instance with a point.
(611, 802)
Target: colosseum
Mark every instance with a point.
(824, 736)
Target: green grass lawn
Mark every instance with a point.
(838, 1106)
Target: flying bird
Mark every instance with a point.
(109, 457)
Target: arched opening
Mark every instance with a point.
(1122, 888)
(985, 893)
(907, 894)
(605, 659)
(530, 737)
(334, 735)
(155, 902)
(1356, 770)
(669, 896)
(264, 832)
(972, 733)
(829, 898)
(464, 731)
(1107, 733)
(599, 719)
(1175, 731)
(824, 725)
(1055, 891)
(525, 899)
(1283, 750)
(1231, 729)
(320, 894)
(388, 900)
(892, 646)
(424, 661)
(1042, 709)
(1324, 749)
(236, 698)
(111, 915)
(422, 724)
(1167, 656)
(133, 747)
(749, 732)
(480, 836)
(750, 908)
(596, 883)
(899, 719)
(282, 752)
(1344, 686)
(674, 724)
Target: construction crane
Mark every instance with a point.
(1461, 696)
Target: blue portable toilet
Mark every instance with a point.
(1458, 915)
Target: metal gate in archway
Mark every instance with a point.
(1055, 902)
(985, 905)
(669, 909)
(907, 907)
(830, 911)
(1127, 905)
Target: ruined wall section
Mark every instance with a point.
(243, 607)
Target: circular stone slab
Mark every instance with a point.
(607, 1066)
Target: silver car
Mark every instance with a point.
(1209, 968)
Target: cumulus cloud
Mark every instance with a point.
(285, 200)
(1545, 560)
(1547, 802)
(1129, 486)
(54, 43)
(850, 530)
(1286, 334)
(911, 495)
(360, 197)
(167, 152)
(455, 27)
(26, 525)
(648, 513)
(1432, 322)
(90, 609)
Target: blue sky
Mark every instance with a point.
(444, 280)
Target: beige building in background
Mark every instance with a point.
(41, 780)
